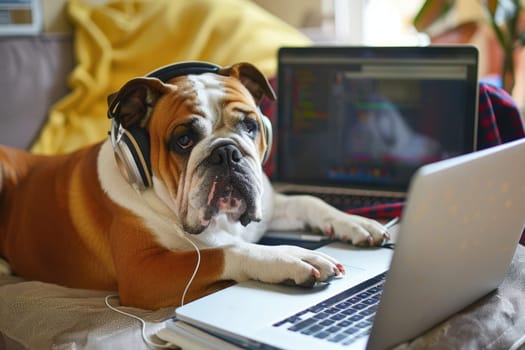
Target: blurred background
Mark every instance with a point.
(107, 41)
(395, 22)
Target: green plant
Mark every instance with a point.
(503, 18)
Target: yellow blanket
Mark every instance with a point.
(127, 38)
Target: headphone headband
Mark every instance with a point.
(184, 68)
(168, 72)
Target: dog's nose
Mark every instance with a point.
(225, 155)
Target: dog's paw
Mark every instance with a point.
(316, 214)
(302, 267)
(355, 229)
(5, 268)
(287, 264)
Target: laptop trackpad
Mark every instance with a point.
(375, 260)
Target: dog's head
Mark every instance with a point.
(201, 139)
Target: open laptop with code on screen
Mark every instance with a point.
(354, 123)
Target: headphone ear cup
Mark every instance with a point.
(268, 136)
(132, 155)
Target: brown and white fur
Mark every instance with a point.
(74, 220)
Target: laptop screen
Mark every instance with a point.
(370, 116)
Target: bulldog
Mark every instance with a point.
(170, 207)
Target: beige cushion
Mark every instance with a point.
(33, 75)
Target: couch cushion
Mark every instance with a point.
(34, 73)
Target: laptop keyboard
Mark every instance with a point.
(348, 202)
(342, 318)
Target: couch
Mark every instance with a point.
(42, 75)
(34, 73)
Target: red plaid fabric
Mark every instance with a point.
(499, 121)
(499, 117)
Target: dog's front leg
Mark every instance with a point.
(151, 276)
(278, 264)
(157, 277)
(298, 212)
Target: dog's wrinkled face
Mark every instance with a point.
(206, 141)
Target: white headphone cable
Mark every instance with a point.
(197, 250)
(143, 323)
(194, 271)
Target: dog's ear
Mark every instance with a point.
(132, 104)
(252, 79)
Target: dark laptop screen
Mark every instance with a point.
(362, 116)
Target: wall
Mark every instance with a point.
(299, 13)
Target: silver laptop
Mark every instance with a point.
(359, 121)
(456, 239)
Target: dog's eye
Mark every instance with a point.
(184, 141)
(250, 126)
(181, 143)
